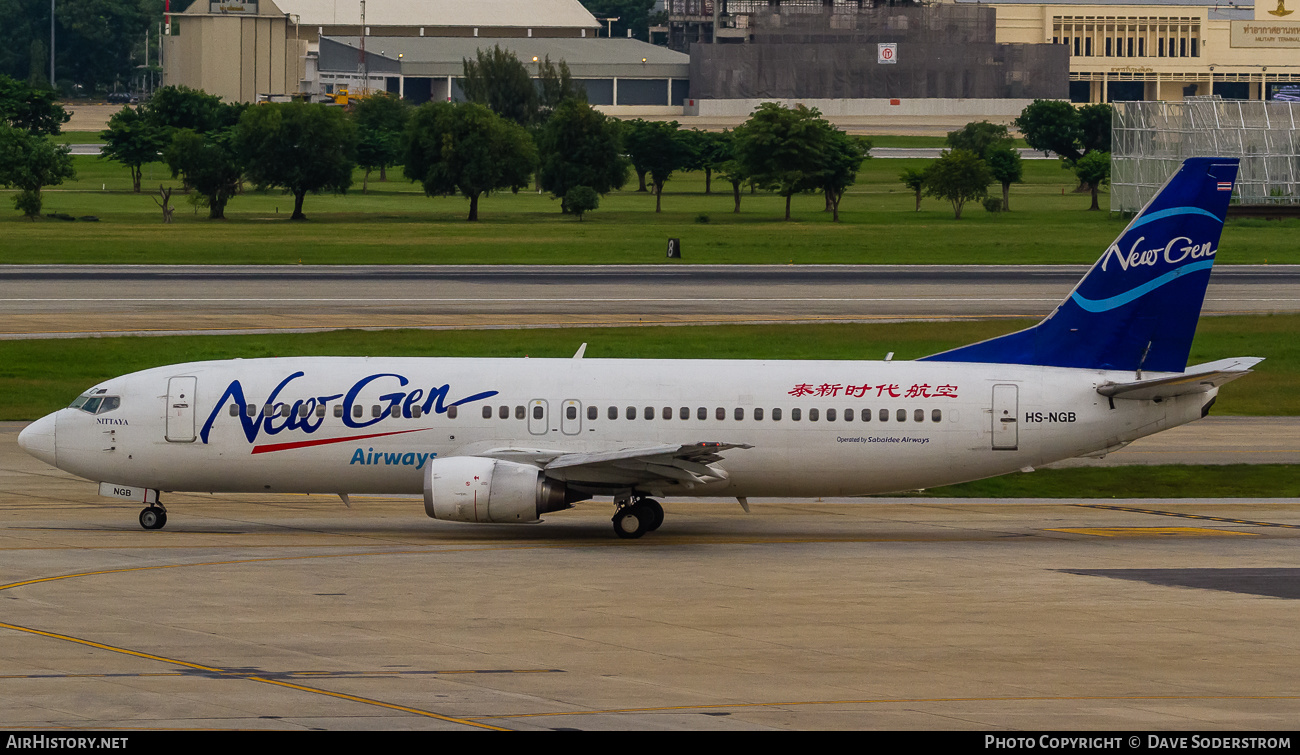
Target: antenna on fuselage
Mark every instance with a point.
(1143, 360)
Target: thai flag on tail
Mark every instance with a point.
(1225, 186)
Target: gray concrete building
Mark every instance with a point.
(627, 76)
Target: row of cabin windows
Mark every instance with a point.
(720, 413)
(285, 410)
(631, 412)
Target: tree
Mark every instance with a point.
(555, 87)
(781, 149)
(982, 138)
(299, 147)
(661, 150)
(629, 14)
(579, 146)
(30, 108)
(635, 135)
(581, 199)
(709, 150)
(1006, 167)
(466, 148)
(499, 81)
(173, 108)
(958, 176)
(132, 141)
(842, 157)
(1093, 169)
(98, 39)
(915, 180)
(29, 163)
(730, 169)
(1062, 128)
(208, 164)
(380, 122)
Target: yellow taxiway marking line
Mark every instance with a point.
(887, 701)
(1153, 532)
(1182, 515)
(263, 680)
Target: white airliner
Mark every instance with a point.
(509, 440)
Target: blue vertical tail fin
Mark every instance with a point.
(1138, 306)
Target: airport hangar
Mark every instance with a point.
(272, 49)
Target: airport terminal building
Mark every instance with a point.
(1117, 50)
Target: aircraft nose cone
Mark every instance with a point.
(37, 439)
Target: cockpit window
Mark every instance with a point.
(94, 402)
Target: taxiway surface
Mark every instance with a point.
(72, 300)
(292, 612)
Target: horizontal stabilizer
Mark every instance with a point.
(1198, 379)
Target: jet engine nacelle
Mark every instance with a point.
(474, 489)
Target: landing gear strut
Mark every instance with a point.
(635, 517)
(154, 517)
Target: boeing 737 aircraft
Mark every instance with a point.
(509, 440)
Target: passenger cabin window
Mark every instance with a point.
(537, 412)
(701, 413)
(848, 415)
(571, 412)
(630, 413)
(936, 415)
(592, 412)
(740, 414)
(320, 410)
(452, 412)
(356, 411)
(338, 410)
(684, 413)
(520, 412)
(649, 413)
(902, 415)
(503, 412)
(613, 412)
(796, 414)
(487, 412)
(395, 411)
(758, 414)
(776, 415)
(668, 412)
(884, 415)
(417, 410)
(812, 415)
(830, 415)
(918, 415)
(720, 413)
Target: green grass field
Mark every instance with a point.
(396, 223)
(37, 377)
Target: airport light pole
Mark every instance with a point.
(51, 44)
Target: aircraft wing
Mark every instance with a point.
(668, 464)
(1198, 379)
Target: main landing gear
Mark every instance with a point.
(154, 517)
(637, 516)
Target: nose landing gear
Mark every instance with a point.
(635, 517)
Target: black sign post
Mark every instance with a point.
(674, 249)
